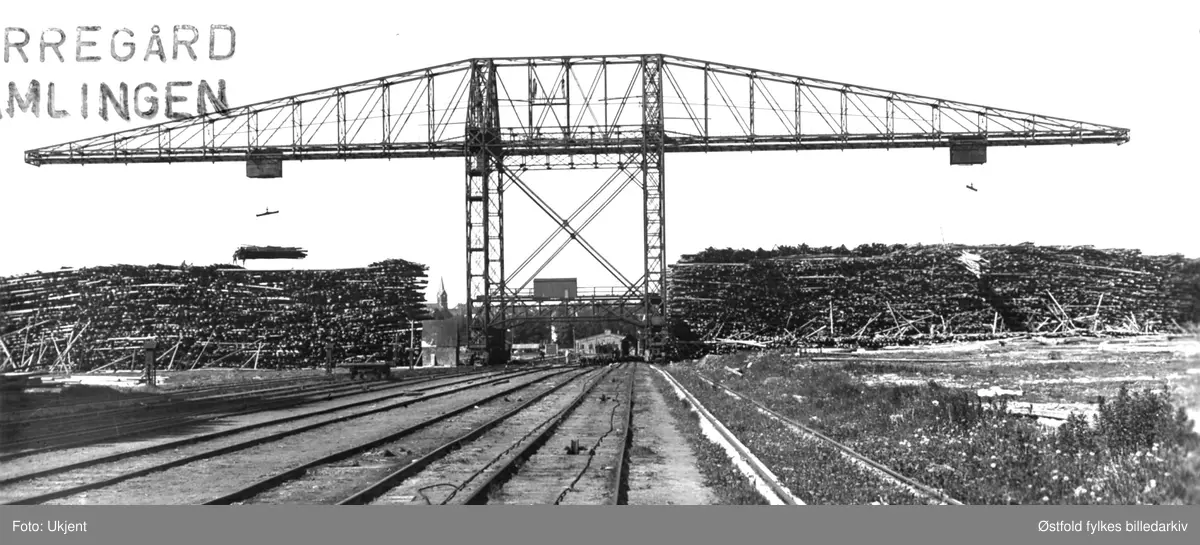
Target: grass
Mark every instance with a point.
(1140, 449)
(814, 472)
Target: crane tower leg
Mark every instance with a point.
(485, 214)
(655, 328)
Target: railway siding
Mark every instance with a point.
(239, 455)
(594, 474)
(116, 434)
(341, 477)
(453, 477)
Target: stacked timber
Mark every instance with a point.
(1056, 288)
(87, 318)
(897, 293)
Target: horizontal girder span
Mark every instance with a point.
(672, 145)
(577, 106)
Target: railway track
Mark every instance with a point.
(27, 430)
(768, 485)
(64, 412)
(597, 474)
(523, 435)
(528, 455)
(502, 444)
(166, 396)
(70, 431)
(359, 473)
(884, 472)
(48, 484)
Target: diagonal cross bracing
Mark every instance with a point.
(574, 233)
(562, 227)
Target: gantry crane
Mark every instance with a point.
(510, 116)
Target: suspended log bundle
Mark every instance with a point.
(224, 316)
(897, 294)
(269, 252)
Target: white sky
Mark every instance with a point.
(1134, 67)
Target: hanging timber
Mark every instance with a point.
(269, 252)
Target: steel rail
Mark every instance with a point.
(479, 493)
(910, 483)
(299, 471)
(138, 420)
(166, 400)
(377, 489)
(246, 444)
(617, 484)
(142, 427)
(167, 396)
(761, 472)
(618, 491)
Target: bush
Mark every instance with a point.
(1131, 422)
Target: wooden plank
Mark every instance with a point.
(8, 355)
(201, 354)
(10, 333)
(174, 352)
(71, 343)
(222, 358)
(755, 344)
(107, 365)
(872, 359)
(869, 322)
(58, 358)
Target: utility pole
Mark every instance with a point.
(412, 330)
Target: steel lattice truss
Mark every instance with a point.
(510, 116)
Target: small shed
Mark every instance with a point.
(607, 342)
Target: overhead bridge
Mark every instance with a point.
(509, 116)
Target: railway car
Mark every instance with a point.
(527, 352)
(380, 371)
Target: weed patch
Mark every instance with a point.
(1139, 449)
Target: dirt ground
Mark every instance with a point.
(663, 469)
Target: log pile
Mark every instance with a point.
(894, 294)
(1061, 289)
(83, 319)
